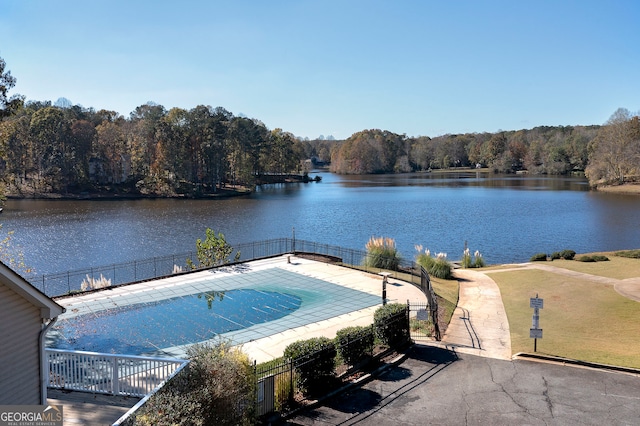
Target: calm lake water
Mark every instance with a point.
(506, 218)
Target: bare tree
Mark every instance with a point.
(614, 154)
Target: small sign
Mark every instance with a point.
(536, 303)
(422, 315)
(535, 333)
(536, 321)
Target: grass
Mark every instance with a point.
(616, 267)
(448, 292)
(580, 320)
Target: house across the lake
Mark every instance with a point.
(25, 316)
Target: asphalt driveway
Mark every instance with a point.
(435, 386)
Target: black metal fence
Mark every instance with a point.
(70, 282)
(278, 387)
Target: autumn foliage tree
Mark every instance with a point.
(614, 155)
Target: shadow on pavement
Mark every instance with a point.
(419, 366)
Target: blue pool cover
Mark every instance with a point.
(240, 307)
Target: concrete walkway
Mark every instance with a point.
(629, 288)
(479, 325)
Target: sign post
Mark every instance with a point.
(535, 332)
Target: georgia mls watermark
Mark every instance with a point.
(30, 415)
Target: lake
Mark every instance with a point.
(507, 218)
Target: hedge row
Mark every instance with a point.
(314, 359)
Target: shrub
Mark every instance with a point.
(555, 255)
(314, 363)
(354, 344)
(216, 388)
(391, 325)
(437, 267)
(586, 258)
(567, 254)
(382, 253)
(633, 254)
(538, 257)
(593, 258)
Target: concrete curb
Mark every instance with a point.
(575, 362)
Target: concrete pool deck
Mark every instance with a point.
(263, 342)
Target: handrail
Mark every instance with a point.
(114, 374)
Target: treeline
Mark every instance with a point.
(52, 149)
(548, 150)
(608, 154)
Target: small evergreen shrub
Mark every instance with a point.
(586, 258)
(391, 325)
(555, 255)
(382, 253)
(314, 362)
(538, 257)
(593, 258)
(567, 254)
(354, 344)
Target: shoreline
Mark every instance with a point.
(626, 188)
(228, 191)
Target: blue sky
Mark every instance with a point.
(335, 67)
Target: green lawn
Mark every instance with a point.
(448, 291)
(616, 267)
(580, 320)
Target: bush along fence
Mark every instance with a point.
(216, 388)
(314, 367)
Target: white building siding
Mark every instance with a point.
(20, 327)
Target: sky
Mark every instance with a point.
(335, 67)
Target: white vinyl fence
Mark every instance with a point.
(113, 374)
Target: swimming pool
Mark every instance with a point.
(239, 307)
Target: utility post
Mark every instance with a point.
(535, 332)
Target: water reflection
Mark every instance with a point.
(508, 218)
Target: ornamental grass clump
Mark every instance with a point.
(468, 262)
(91, 283)
(438, 267)
(382, 253)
